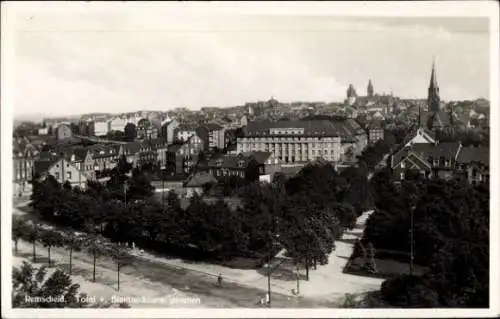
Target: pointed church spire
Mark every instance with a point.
(370, 88)
(433, 99)
(433, 83)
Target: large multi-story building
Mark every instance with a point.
(293, 141)
(216, 136)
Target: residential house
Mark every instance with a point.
(267, 163)
(245, 167)
(216, 136)
(196, 183)
(473, 164)
(82, 158)
(147, 155)
(62, 170)
(105, 156)
(419, 135)
(146, 129)
(185, 131)
(131, 152)
(168, 129)
(87, 128)
(117, 124)
(375, 132)
(161, 148)
(24, 156)
(182, 158)
(426, 160)
(43, 131)
(101, 128)
(63, 131)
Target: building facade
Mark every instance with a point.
(292, 141)
(182, 158)
(63, 131)
(101, 128)
(62, 170)
(375, 132)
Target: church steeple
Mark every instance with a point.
(351, 92)
(369, 91)
(433, 99)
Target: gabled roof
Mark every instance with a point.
(258, 156)
(291, 170)
(199, 179)
(42, 166)
(79, 152)
(447, 150)
(375, 124)
(230, 161)
(187, 127)
(424, 150)
(213, 127)
(131, 148)
(156, 143)
(474, 154)
(174, 147)
(421, 150)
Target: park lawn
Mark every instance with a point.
(386, 268)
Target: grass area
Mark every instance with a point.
(386, 268)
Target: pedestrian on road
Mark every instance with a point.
(219, 280)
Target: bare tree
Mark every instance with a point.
(18, 229)
(93, 244)
(73, 242)
(51, 238)
(121, 257)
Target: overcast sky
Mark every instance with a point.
(123, 60)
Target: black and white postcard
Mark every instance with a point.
(255, 159)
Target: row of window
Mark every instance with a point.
(57, 175)
(225, 172)
(285, 139)
(272, 147)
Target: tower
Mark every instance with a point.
(433, 99)
(369, 90)
(351, 92)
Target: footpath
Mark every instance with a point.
(327, 283)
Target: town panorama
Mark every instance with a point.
(372, 200)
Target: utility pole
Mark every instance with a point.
(269, 270)
(163, 185)
(125, 186)
(411, 240)
(298, 280)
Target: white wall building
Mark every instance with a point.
(101, 128)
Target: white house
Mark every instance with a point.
(101, 128)
(117, 124)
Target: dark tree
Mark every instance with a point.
(130, 132)
(29, 282)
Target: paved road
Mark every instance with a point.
(154, 278)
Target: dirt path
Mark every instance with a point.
(151, 276)
(159, 285)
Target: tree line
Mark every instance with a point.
(451, 239)
(304, 214)
(92, 243)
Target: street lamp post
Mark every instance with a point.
(411, 239)
(163, 185)
(298, 280)
(125, 188)
(269, 271)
